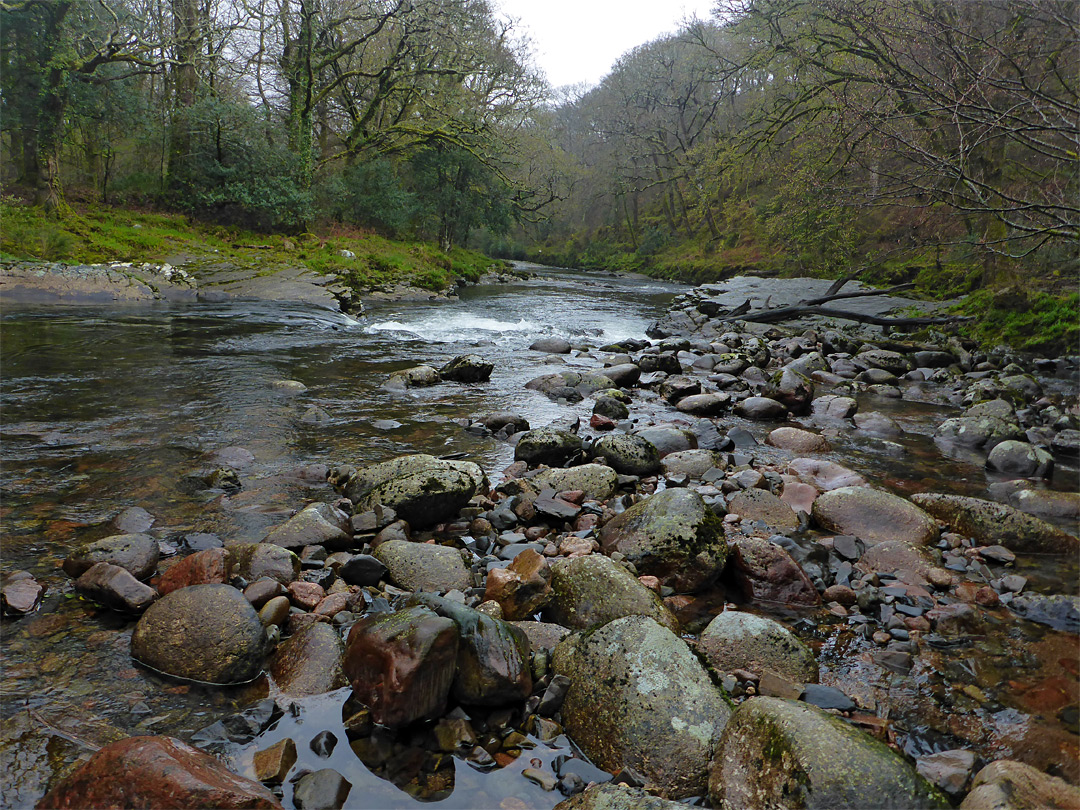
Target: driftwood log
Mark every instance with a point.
(813, 306)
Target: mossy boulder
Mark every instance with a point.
(597, 481)
(593, 590)
(628, 455)
(205, 633)
(422, 566)
(467, 368)
(672, 535)
(257, 560)
(638, 698)
(611, 796)
(425, 497)
(549, 446)
(738, 640)
(138, 554)
(784, 754)
(992, 523)
(366, 479)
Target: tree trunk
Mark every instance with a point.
(185, 85)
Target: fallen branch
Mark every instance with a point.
(797, 311)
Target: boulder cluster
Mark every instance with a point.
(612, 585)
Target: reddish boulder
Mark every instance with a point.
(159, 772)
(401, 665)
(766, 572)
(212, 566)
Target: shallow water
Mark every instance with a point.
(107, 408)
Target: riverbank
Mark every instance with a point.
(899, 517)
(138, 255)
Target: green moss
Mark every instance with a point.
(100, 234)
(1036, 321)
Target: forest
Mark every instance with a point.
(906, 140)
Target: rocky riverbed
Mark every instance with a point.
(676, 590)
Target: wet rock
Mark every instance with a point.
(467, 368)
(978, 431)
(598, 482)
(1045, 503)
(137, 553)
(799, 496)
(275, 611)
(628, 455)
(761, 408)
(551, 345)
(257, 560)
(570, 385)
(612, 796)
(948, 770)
(401, 665)
(492, 657)
(325, 789)
(522, 588)
(1066, 443)
(798, 441)
(624, 375)
(1059, 611)
(891, 556)
(505, 420)
(133, 520)
(115, 588)
(319, 524)
(273, 764)
(825, 475)
(760, 504)
(213, 566)
(549, 446)
(780, 753)
(310, 662)
(678, 386)
(20, 594)
(639, 699)
(205, 632)
(737, 640)
(672, 535)
(156, 772)
(892, 362)
(415, 377)
(1010, 785)
(593, 590)
(360, 483)
(710, 404)
(831, 406)
(425, 497)
(827, 697)
(767, 573)
(666, 362)
(422, 566)
(992, 523)
(362, 569)
(542, 635)
(791, 389)
(878, 424)
(1020, 458)
(667, 439)
(873, 516)
(692, 463)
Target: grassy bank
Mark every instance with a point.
(95, 234)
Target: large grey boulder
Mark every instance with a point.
(366, 479)
(415, 377)
(873, 516)
(739, 640)
(467, 368)
(629, 455)
(791, 389)
(549, 446)
(422, 566)
(1010, 785)
(672, 535)
(638, 698)
(253, 561)
(892, 362)
(423, 498)
(760, 504)
(992, 523)
(205, 633)
(984, 425)
(693, 463)
(668, 438)
(597, 481)
(1020, 458)
(138, 554)
(578, 383)
(320, 524)
(783, 754)
(593, 590)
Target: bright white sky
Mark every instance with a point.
(579, 40)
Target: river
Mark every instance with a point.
(110, 408)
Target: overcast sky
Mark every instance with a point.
(579, 40)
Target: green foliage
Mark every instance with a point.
(369, 195)
(1036, 322)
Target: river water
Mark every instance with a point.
(110, 408)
